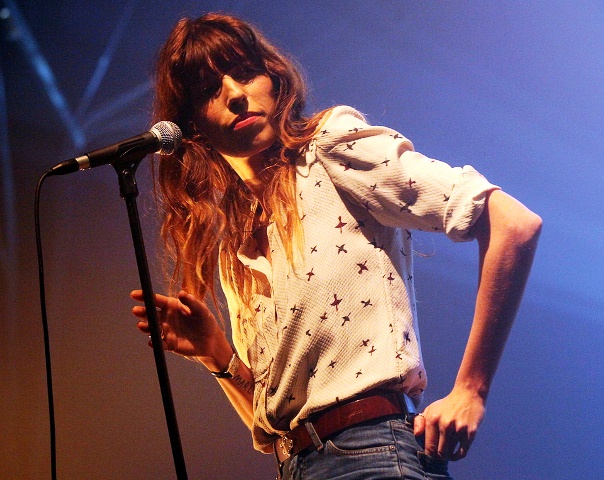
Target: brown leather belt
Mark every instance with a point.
(340, 417)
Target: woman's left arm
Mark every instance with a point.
(507, 234)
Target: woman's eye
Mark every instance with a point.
(243, 75)
(245, 78)
(210, 91)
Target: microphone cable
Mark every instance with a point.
(51, 408)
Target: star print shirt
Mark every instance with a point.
(345, 321)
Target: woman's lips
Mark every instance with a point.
(245, 120)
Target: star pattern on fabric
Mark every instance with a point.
(360, 202)
(336, 301)
(363, 267)
(310, 274)
(341, 224)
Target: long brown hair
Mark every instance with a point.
(207, 211)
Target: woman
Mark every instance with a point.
(310, 222)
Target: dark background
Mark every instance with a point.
(513, 88)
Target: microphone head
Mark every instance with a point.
(169, 136)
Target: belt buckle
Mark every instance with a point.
(286, 445)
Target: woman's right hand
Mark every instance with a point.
(188, 326)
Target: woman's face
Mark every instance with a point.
(236, 119)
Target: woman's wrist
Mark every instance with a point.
(219, 358)
(231, 369)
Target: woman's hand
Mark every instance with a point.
(450, 424)
(188, 326)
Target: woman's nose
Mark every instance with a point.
(236, 98)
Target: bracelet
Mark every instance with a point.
(231, 370)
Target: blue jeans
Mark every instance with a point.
(384, 449)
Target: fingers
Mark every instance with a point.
(160, 300)
(439, 443)
(164, 344)
(192, 305)
(185, 321)
(185, 303)
(137, 295)
(464, 446)
(431, 435)
(446, 443)
(459, 454)
(419, 424)
(163, 304)
(450, 424)
(139, 311)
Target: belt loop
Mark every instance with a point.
(314, 436)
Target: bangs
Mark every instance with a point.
(229, 51)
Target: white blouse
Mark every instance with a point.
(345, 321)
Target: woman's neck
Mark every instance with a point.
(253, 172)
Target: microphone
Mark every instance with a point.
(164, 138)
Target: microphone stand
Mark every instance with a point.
(129, 191)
